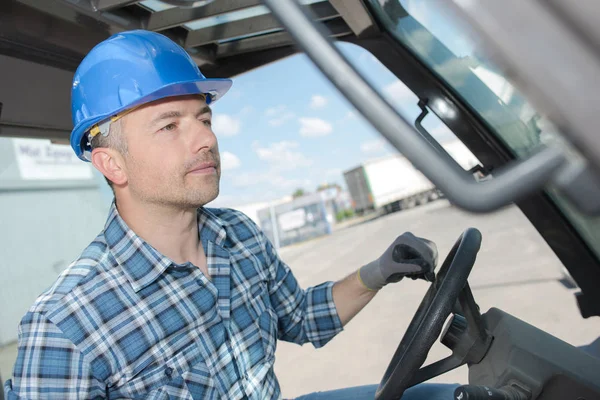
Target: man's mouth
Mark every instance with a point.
(204, 168)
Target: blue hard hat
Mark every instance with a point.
(129, 69)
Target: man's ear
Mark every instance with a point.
(110, 163)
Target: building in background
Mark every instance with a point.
(51, 208)
(303, 218)
(252, 209)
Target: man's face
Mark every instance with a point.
(173, 155)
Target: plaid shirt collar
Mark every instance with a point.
(142, 263)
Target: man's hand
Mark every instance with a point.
(408, 255)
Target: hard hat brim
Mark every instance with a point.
(216, 87)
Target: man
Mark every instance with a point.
(174, 300)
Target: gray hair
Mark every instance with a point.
(114, 140)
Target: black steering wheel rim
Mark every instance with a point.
(430, 317)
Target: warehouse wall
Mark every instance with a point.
(44, 225)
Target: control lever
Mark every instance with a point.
(472, 392)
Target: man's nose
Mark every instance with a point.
(201, 137)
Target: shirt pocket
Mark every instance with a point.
(155, 380)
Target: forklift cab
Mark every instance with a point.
(515, 82)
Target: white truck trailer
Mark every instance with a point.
(392, 183)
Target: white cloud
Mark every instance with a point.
(226, 125)
(282, 119)
(273, 111)
(271, 177)
(373, 146)
(313, 127)
(352, 117)
(249, 178)
(334, 172)
(246, 110)
(286, 183)
(398, 92)
(279, 115)
(229, 161)
(281, 155)
(318, 101)
(245, 200)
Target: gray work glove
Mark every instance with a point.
(409, 256)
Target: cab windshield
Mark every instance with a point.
(446, 46)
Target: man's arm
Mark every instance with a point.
(49, 366)
(303, 315)
(408, 256)
(350, 296)
(319, 313)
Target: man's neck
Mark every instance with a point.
(173, 232)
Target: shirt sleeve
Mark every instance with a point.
(49, 366)
(303, 315)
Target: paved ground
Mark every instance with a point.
(515, 271)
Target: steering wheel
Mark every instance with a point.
(428, 321)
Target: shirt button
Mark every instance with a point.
(168, 371)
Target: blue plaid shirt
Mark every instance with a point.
(123, 321)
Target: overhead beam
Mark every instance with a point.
(336, 27)
(103, 5)
(253, 25)
(200, 55)
(99, 24)
(161, 20)
(8, 129)
(242, 63)
(357, 17)
(45, 38)
(83, 14)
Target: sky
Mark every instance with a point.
(284, 126)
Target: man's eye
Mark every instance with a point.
(169, 127)
(207, 122)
